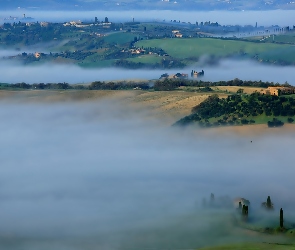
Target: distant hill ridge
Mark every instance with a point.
(143, 4)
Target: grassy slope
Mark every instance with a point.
(88, 63)
(119, 38)
(288, 38)
(196, 47)
(148, 59)
(254, 246)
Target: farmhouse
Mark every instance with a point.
(178, 76)
(177, 33)
(279, 91)
(37, 55)
(241, 201)
(44, 24)
(196, 74)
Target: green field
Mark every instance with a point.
(282, 39)
(98, 63)
(196, 47)
(119, 38)
(146, 59)
(254, 246)
(261, 119)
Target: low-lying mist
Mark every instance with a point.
(102, 176)
(224, 70)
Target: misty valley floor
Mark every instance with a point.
(105, 170)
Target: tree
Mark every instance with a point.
(275, 123)
(212, 197)
(268, 202)
(240, 91)
(245, 211)
(281, 218)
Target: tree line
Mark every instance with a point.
(172, 84)
(158, 85)
(97, 85)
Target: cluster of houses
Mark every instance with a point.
(140, 51)
(135, 51)
(194, 74)
(80, 24)
(174, 76)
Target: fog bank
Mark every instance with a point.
(102, 176)
(225, 70)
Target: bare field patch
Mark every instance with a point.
(62, 95)
(165, 105)
(171, 105)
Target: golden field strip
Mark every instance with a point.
(164, 106)
(167, 105)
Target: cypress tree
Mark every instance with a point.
(212, 197)
(281, 218)
(268, 203)
(246, 210)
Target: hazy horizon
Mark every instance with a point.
(247, 17)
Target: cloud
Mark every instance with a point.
(102, 175)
